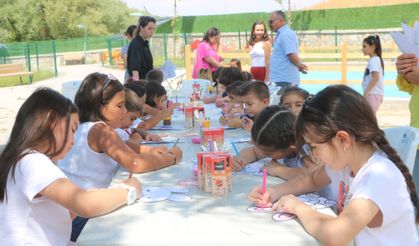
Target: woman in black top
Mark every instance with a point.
(140, 60)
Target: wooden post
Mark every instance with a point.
(188, 61)
(344, 63)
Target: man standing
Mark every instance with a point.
(139, 58)
(285, 63)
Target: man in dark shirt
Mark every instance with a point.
(139, 58)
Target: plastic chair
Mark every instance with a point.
(69, 89)
(187, 85)
(404, 140)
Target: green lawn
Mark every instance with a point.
(37, 76)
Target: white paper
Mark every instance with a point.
(408, 40)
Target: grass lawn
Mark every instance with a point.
(37, 76)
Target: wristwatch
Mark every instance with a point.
(132, 193)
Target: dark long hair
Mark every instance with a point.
(274, 128)
(33, 125)
(375, 40)
(338, 108)
(252, 37)
(294, 89)
(96, 90)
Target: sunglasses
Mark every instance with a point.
(272, 21)
(107, 82)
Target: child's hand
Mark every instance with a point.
(152, 137)
(223, 120)
(247, 123)
(271, 168)
(288, 203)
(136, 137)
(234, 122)
(405, 63)
(134, 183)
(178, 153)
(159, 150)
(259, 199)
(238, 163)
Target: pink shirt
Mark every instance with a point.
(204, 50)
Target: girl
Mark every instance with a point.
(36, 198)
(235, 62)
(260, 52)
(98, 150)
(380, 206)
(156, 99)
(273, 136)
(372, 82)
(293, 98)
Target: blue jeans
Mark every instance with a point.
(283, 85)
(77, 226)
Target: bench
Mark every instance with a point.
(72, 59)
(12, 70)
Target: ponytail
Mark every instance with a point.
(378, 50)
(383, 144)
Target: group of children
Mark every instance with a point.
(59, 162)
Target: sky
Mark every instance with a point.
(214, 7)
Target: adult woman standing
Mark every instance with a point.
(139, 59)
(206, 54)
(260, 52)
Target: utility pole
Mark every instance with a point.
(174, 29)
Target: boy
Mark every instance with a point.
(232, 109)
(255, 97)
(155, 75)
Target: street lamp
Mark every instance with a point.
(85, 41)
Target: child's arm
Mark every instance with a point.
(146, 135)
(155, 119)
(247, 155)
(303, 184)
(328, 229)
(103, 138)
(88, 203)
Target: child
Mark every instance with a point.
(293, 98)
(234, 62)
(134, 111)
(255, 97)
(273, 136)
(98, 150)
(232, 109)
(372, 84)
(342, 131)
(154, 75)
(227, 76)
(37, 200)
(156, 99)
(138, 88)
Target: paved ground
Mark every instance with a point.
(393, 112)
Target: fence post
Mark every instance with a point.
(110, 52)
(29, 57)
(37, 56)
(247, 39)
(185, 39)
(54, 55)
(344, 63)
(165, 46)
(188, 61)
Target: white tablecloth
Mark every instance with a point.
(204, 220)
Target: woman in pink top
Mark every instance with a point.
(206, 53)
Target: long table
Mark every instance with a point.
(203, 220)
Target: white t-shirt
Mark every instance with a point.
(257, 53)
(340, 178)
(26, 220)
(380, 181)
(374, 65)
(86, 167)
